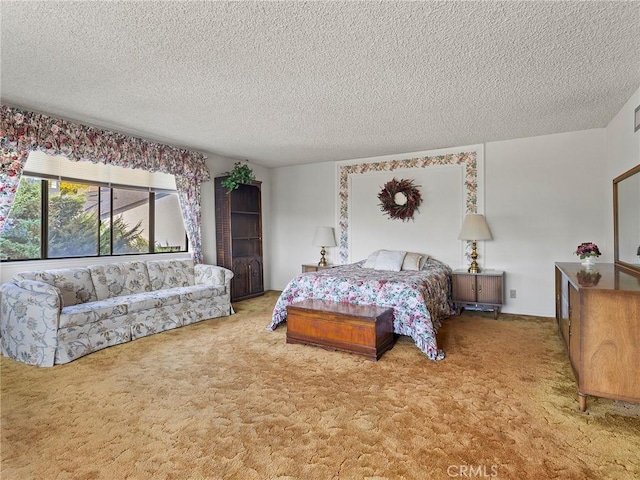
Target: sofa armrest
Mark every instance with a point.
(212, 275)
(40, 287)
(29, 319)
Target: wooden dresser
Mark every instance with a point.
(598, 315)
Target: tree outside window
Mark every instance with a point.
(21, 235)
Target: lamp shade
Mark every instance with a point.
(474, 227)
(324, 237)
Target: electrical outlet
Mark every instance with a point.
(512, 294)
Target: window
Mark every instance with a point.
(168, 230)
(130, 221)
(72, 219)
(64, 218)
(21, 237)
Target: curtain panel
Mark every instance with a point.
(22, 132)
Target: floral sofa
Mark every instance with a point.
(55, 316)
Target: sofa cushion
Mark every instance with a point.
(115, 279)
(198, 292)
(75, 284)
(146, 301)
(170, 273)
(84, 313)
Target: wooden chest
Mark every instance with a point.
(365, 330)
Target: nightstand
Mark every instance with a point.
(482, 290)
(314, 267)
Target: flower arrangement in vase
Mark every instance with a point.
(588, 252)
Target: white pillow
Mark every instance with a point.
(371, 260)
(390, 260)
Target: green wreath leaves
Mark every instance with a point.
(400, 199)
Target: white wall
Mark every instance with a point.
(543, 196)
(623, 144)
(431, 231)
(303, 198)
(623, 153)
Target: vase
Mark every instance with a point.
(589, 262)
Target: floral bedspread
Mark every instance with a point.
(420, 299)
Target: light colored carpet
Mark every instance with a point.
(227, 399)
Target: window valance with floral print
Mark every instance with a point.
(22, 132)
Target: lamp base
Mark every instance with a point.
(474, 267)
(323, 261)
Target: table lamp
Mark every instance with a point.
(474, 228)
(324, 237)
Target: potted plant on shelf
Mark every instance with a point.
(241, 174)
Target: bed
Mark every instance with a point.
(421, 299)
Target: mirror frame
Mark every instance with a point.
(616, 258)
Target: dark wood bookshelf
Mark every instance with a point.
(239, 237)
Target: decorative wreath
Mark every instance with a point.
(400, 199)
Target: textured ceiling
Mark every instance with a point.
(283, 83)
